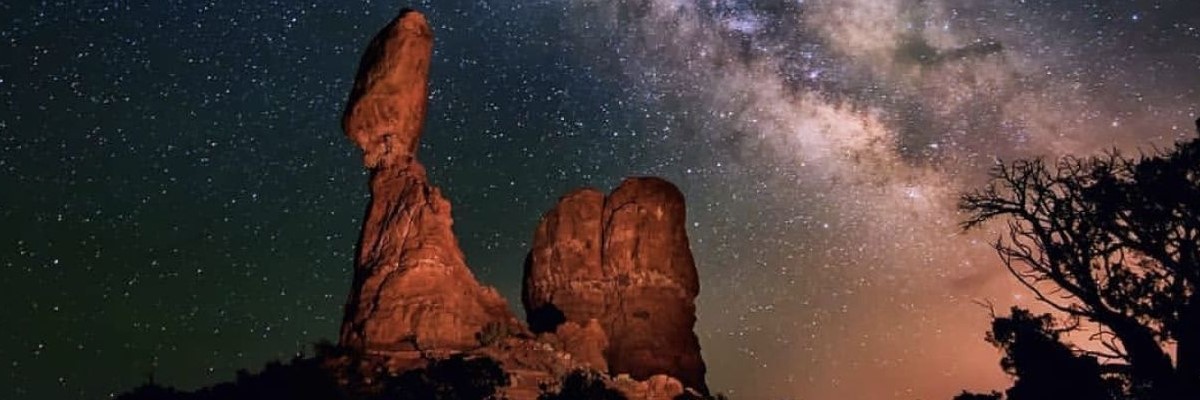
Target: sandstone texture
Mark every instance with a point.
(657, 387)
(610, 282)
(586, 343)
(412, 289)
(386, 109)
(624, 261)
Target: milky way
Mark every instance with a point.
(177, 198)
(861, 121)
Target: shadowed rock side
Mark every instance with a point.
(412, 289)
(623, 261)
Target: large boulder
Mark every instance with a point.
(386, 109)
(623, 260)
(412, 290)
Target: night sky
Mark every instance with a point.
(176, 196)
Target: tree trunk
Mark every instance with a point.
(1187, 349)
(1151, 366)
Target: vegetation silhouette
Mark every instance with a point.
(1042, 365)
(337, 373)
(580, 384)
(965, 395)
(1112, 242)
(454, 378)
(589, 385)
(300, 379)
(332, 374)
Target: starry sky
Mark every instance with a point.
(177, 199)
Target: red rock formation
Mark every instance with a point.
(412, 289)
(623, 260)
(657, 387)
(610, 282)
(568, 236)
(386, 109)
(586, 343)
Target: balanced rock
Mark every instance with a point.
(386, 109)
(412, 289)
(623, 260)
(610, 283)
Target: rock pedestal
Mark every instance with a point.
(412, 289)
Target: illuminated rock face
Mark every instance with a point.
(386, 109)
(412, 288)
(623, 260)
(609, 286)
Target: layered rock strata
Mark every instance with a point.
(624, 262)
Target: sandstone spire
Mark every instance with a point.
(412, 289)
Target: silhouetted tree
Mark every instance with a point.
(581, 385)
(1111, 240)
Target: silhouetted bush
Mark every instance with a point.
(454, 378)
(152, 391)
(979, 396)
(301, 379)
(1043, 366)
(581, 385)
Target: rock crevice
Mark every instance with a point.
(411, 287)
(609, 284)
(623, 260)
